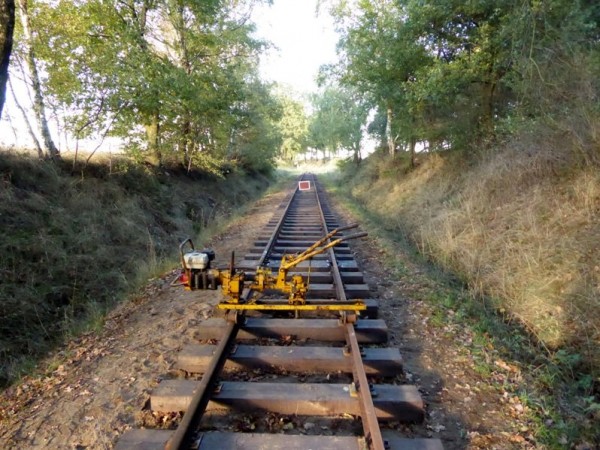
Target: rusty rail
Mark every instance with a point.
(370, 424)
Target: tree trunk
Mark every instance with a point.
(7, 25)
(152, 134)
(151, 115)
(388, 133)
(38, 99)
(185, 144)
(356, 155)
(487, 120)
(178, 20)
(34, 138)
(411, 149)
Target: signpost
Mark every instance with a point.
(304, 185)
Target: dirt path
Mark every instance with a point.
(99, 383)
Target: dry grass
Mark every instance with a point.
(520, 226)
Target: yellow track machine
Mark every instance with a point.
(244, 292)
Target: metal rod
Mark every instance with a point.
(373, 435)
(317, 251)
(334, 306)
(325, 238)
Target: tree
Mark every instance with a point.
(215, 59)
(293, 127)
(165, 75)
(379, 57)
(338, 120)
(39, 107)
(462, 92)
(455, 73)
(7, 24)
(255, 136)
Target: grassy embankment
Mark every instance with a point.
(521, 228)
(75, 243)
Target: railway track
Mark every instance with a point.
(308, 381)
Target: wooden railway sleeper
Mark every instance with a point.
(350, 330)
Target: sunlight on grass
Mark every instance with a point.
(523, 232)
(508, 231)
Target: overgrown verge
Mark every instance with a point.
(521, 228)
(73, 243)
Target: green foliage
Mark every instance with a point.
(454, 74)
(292, 127)
(380, 60)
(256, 134)
(175, 79)
(338, 120)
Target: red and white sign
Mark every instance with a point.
(304, 185)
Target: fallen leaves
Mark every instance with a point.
(507, 367)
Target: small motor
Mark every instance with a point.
(197, 273)
(199, 260)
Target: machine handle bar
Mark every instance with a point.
(316, 249)
(181, 251)
(353, 236)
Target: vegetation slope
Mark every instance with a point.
(520, 226)
(503, 96)
(75, 242)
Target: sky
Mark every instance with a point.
(304, 41)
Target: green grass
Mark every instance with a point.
(76, 243)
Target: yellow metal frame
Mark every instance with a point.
(359, 306)
(296, 288)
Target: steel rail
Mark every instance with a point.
(371, 429)
(186, 429)
(182, 437)
(273, 237)
(294, 225)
